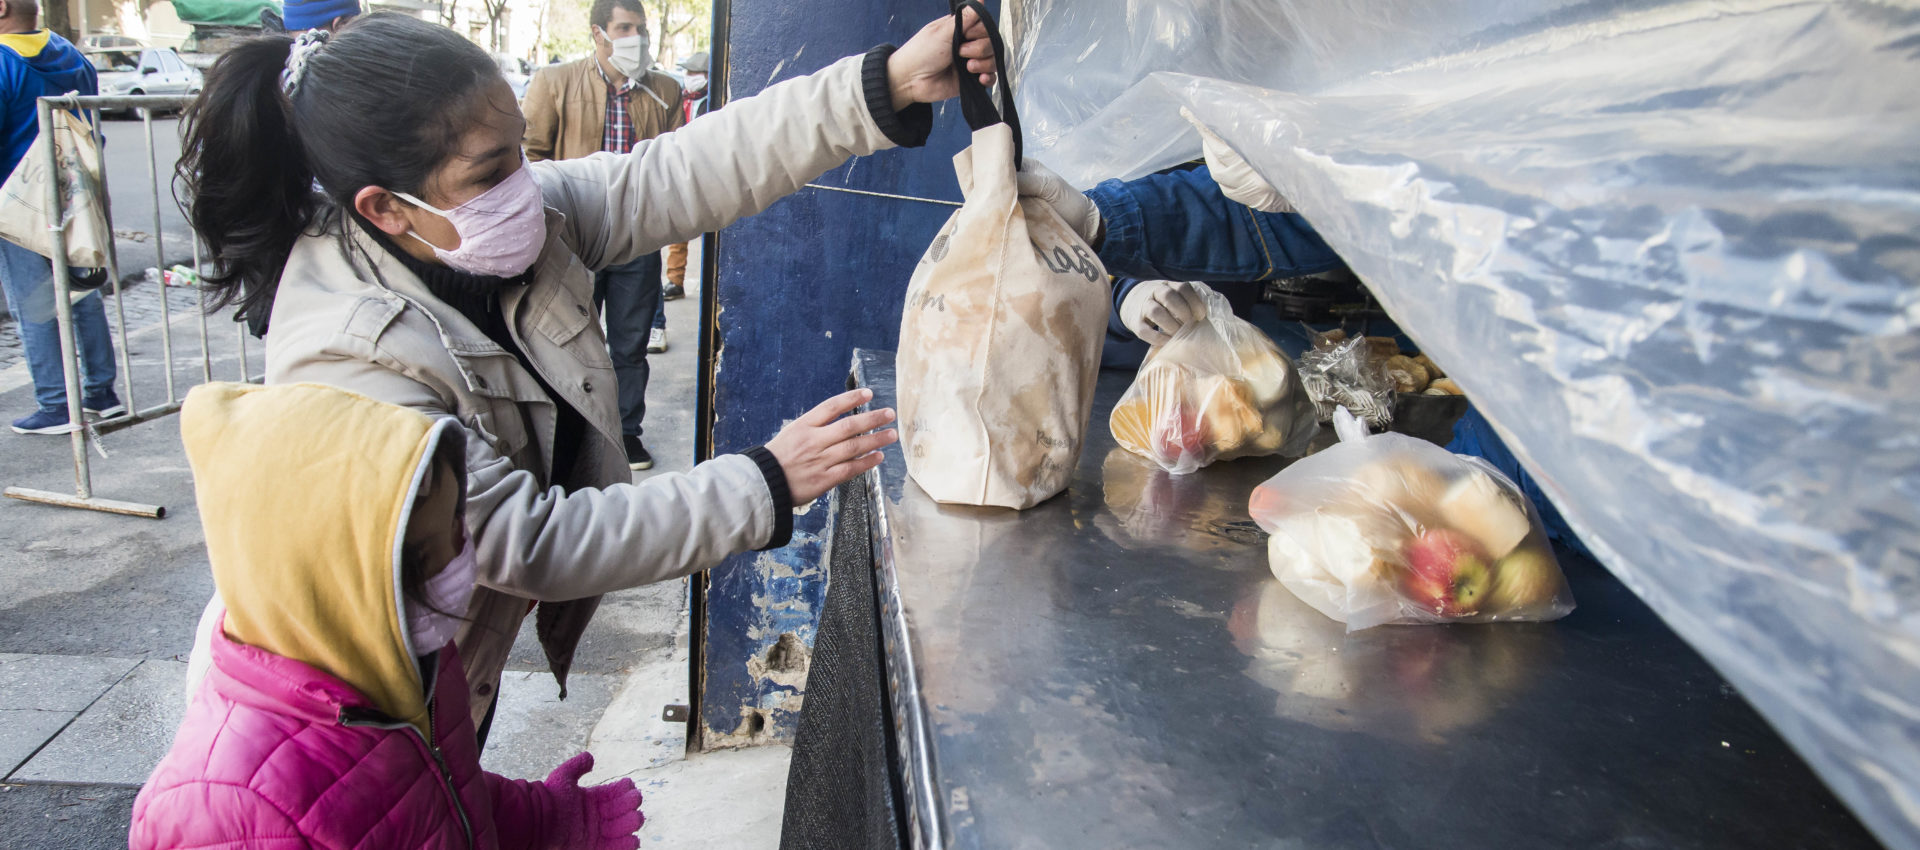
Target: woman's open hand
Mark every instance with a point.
(921, 71)
(821, 450)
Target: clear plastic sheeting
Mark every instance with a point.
(1672, 250)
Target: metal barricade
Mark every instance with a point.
(88, 433)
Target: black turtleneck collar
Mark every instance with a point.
(472, 294)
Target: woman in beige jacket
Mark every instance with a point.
(436, 269)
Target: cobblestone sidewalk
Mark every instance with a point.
(141, 301)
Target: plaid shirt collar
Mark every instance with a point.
(619, 133)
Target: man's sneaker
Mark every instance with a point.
(671, 291)
(104, 405)
(637, 457)
(44, 422)
(657, 341)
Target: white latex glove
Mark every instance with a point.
(1035, 181)
(1157, 309)
(1238, 181)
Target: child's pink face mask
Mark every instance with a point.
(449, 591)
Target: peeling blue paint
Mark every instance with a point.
(798, 288)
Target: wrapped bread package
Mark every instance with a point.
(1388, 528)
(1219, 389)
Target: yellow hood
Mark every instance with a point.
(304, 491)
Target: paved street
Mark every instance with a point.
(100, 609)
(129, 181)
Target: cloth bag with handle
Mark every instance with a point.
(1000, 338)
(24, 217)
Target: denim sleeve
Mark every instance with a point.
(1121, 286)
(1178, 226)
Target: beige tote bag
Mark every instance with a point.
(1000, 339)
(24, 217)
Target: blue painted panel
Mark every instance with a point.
(797, 288)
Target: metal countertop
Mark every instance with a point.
(1118, 668)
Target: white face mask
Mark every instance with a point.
(631, 55)
(696, 82)
(449, 590)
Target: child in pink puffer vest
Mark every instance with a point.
(335, 714)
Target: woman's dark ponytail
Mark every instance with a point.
(385, 102)
(250, 188)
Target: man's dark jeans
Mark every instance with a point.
(629, 297)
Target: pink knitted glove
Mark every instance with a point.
(602, 817)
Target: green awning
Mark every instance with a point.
(232, 13)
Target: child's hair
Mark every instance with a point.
(383, 103)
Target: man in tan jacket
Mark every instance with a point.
(607, 102)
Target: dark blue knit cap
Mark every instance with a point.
(310, 14)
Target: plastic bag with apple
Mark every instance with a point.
(1387, 528)
(1219, 389)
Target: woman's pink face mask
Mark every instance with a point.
(501, 232)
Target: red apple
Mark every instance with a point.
(1447, 573)
(1180, 434)
(1267, 504)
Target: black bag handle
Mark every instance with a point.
(976, 102)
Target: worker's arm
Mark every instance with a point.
(1179, 226)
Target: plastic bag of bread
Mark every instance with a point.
(1387, 528)
(1218, 389)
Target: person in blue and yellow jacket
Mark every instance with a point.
(36, 63)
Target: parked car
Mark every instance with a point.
(154, 70)
(112, 42)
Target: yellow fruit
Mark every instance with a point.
(1524, 581)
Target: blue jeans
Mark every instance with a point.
(629, 297)
(28, 280)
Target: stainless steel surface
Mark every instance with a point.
(1118, 668)
(925, 814)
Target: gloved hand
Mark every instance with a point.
(1156, 309)
(601, 817)
(1238, 181)
(1035, 181)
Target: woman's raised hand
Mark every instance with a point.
(921, 71)
(825, 448)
